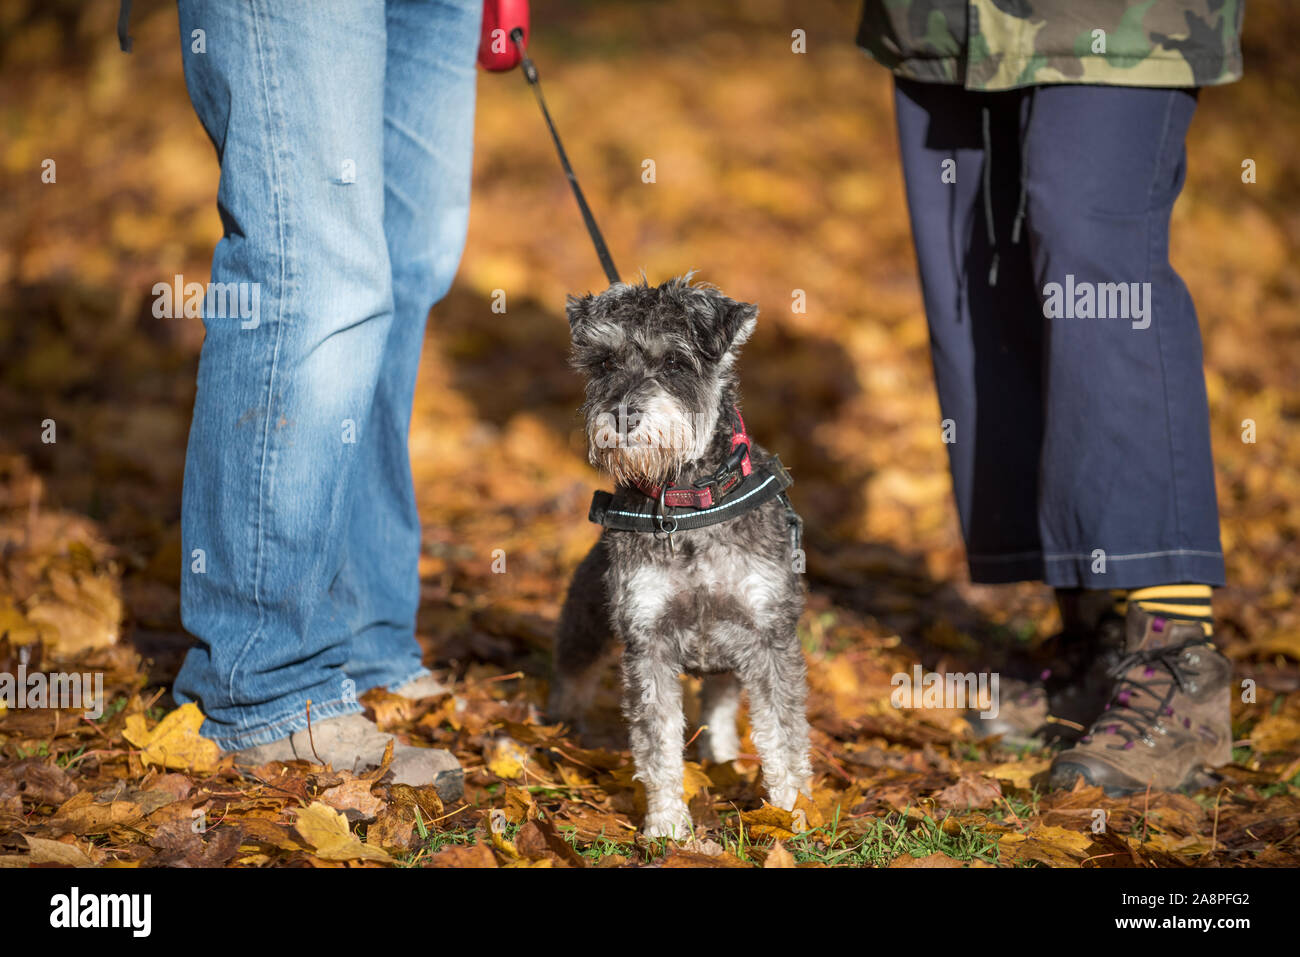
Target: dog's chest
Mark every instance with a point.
(703, 599)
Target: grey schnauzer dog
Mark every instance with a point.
(718, 600)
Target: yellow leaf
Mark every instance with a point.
(520, 805)
(1018, 773)
(326, 831)
(1076, 842)
(1276, 732)
(694, 780)
(175, 742)
(505, 758)
(497, 823)
(1055, 846)
(771, 821)
(14, 624)
(807, 812)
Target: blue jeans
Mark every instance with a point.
(1079, 445)
(344, 130)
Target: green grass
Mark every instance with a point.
(1022, 808)
(114, 708)
(596, 849)
(886, 839)
(65, 759)
(433, 842)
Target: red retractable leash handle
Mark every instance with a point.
(503, 46)
(496, 52)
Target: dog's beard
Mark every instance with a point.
(650, 447)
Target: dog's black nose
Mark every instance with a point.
(625, 415)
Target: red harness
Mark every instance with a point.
(736, 469)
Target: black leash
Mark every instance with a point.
(123, 25)
(530, 73)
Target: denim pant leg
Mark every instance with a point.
(293, 99)
(1126, 481)
(429, 92)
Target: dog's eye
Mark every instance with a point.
(671, 363)
(608, 363)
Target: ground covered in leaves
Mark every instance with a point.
(775, 172)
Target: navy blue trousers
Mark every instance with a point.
(1070, 380)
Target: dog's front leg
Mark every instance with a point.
(775, 678)
(652, 706)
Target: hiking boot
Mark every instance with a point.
(1074, 684)
(1022, 718)
(1169, 714)
(352, 742)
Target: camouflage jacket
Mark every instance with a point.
(1004, 44)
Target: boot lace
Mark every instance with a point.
(1141, 700)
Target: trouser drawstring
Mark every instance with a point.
(988, 196)
(1021, 202)
(1024, 169)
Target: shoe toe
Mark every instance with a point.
(1066, 772)
(1069, 766)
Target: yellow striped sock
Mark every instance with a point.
(1182, 602)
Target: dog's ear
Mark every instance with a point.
(731, 325)
(737, 320)
(578, 309)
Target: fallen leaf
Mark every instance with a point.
(1275, 732)
(930, 860)
(505, 758)
(539, 839)
(80, 815)
(778, 856)
(770, 821)
(326, 831)
(175, 742)
(45, 851)
(497, 825)
(472, 855)
(353, 798)
(38, 781)
(519, 805)
(971, 790)
(1019, 773)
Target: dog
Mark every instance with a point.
(697, 569)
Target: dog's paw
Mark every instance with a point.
(674, 824)
(783, 797)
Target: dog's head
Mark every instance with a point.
(657, 361)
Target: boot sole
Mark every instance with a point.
(1064, 777)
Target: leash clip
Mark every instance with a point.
(728, 475)
(662, 514)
